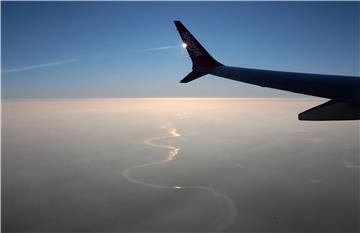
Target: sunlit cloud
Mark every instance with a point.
(38, 66)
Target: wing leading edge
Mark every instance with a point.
(344, 91)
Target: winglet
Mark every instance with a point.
(199, 56)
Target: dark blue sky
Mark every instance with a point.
(90, 49)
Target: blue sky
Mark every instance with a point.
(98, 49)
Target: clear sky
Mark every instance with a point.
(131, 49)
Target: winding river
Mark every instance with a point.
(227, 212)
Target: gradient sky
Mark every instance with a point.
(131, 49)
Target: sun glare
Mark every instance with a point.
(184, 45)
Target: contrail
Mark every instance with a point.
(33, 67)
(137, 51)
(56, 63)
(154, 49)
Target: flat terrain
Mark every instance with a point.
(184, 165)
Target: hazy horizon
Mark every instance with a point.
(176, 165)
(311, 98)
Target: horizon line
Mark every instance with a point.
(160, 98)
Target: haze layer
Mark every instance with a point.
(119, 165)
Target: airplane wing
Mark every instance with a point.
(340, 89)
(331, 110)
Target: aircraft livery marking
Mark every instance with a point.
(191, 44)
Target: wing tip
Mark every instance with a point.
(192, 76)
